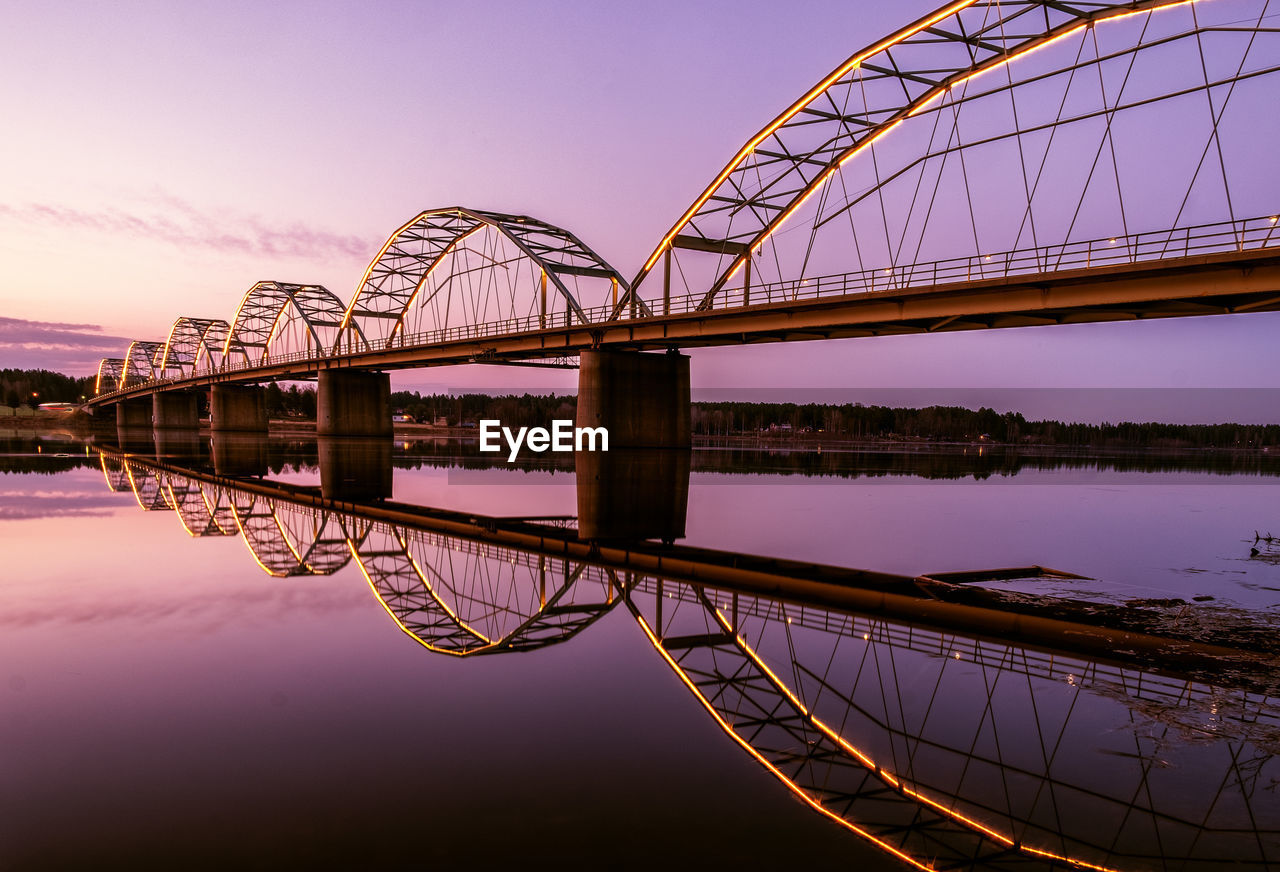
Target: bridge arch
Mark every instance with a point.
(139, 362)
(210, 351)
(463, 598)
(988, 128)
(187, 342)
(450, 269)
(281, 318)
(289, 540)
(894, 731)
(110, 375)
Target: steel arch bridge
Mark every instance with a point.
(994, 164)
(947, 748)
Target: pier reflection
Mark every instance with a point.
(952, 728)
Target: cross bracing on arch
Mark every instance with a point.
(900, 733)
(991, 127)
(139, 362)
(276, 318)
(190, 340)
(288, 540)
(464, 598)
(447, 271)
(110, 375)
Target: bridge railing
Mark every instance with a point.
(1240, 235)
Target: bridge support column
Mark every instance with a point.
(175, 410)
(355, 469)
(134, 413)
(643, 399)
(632, 493)
(182, 444)
(239, 454)
(238, 408)
(353, 403)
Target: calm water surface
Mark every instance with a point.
(199, 674)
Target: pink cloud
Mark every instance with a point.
(178, 223)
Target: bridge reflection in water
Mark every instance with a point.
(1084, 744)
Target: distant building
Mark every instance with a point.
(401, 418)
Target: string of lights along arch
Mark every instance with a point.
(991, 165)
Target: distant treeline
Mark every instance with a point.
(854, 421)
(955, 424)
(808, 421)
(31, 387)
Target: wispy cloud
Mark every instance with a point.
(56, 335)
(56, 345)
(174, 221)
(28, 506)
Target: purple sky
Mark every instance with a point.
(161, 158)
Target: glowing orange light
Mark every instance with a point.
(813, 93)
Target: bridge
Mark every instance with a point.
(991, 165)
(924, 728)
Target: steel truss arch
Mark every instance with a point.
(267, 308)
(874, 91)
(188, 341)
(203, 510)
(462, 598)
(288, 540)
(147, 487)
(398, 273)
(110, 375)
(139, 363)
(884, 728)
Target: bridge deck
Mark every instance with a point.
(1207, 284)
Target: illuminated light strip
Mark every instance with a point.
(285, 536)
(1007, 59)
(800, 104)
(178, 510)
(213, 512)
(760, 758)
(404, 543)
(351, 545)
(346, 316)
(883, 773)
(244, 535)
(653, 259)
(935, 95)
(814, 188)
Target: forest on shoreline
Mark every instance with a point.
(804, 422)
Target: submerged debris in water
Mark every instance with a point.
(1265, 547)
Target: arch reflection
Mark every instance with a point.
(943, 744)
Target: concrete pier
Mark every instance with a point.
(185, 446)
(175, 410)
(355, 469)
(135, 440)
(239, 453)
(642, 398)
(353, 403)
(632, 493)
(131, 414)
(238, 409)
